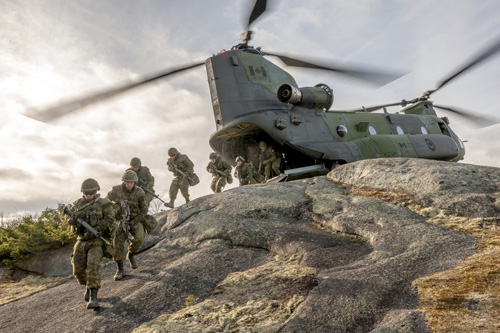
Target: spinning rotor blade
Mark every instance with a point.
(258, 9)
(246, 36)
(479, 120)
(494, 48)
(54, 112)
(373, 76)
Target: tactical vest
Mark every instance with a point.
(136, 199)
(145, 176)
(99, 215)
(183, 163)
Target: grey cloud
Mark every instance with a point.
(15, 173)
(62, 159)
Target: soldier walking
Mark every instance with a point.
(128, 199)
(88, 250)
(183, 169)
(146, 180)
(221, 172)
(270, 159)
(245, 172)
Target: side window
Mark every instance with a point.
(444, 129)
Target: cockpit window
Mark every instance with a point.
(444, 129)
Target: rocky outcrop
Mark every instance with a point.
(327, 254)
(450, 188)
(49, 263)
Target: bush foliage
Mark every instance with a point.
(29, 235)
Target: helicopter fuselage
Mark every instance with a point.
(247, 97)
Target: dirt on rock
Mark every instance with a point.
(340, 252)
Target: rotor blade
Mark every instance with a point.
(494, 48)
(62, 109)
(373, 76)
(258, 9)
(376, 107)
(479, 120)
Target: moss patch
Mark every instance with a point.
(465, 298)
(257, 300)
(14, 289)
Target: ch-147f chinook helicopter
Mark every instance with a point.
(255, 100)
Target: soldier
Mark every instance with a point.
(182, 168)
(136, 201)
(88, 250)
(146, 179)
(245, 172)
(270, 159)
(221, 172)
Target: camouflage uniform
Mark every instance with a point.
(146, 178)
(136, 199)
(246, 174)
(184, 164)
(88, 250)
(270, 159)
(219, 181)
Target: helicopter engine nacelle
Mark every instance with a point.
(318, 97)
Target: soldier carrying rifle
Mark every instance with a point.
(221, 172)
(270, 159)
(245, 172)
(146, 180)
(183, 169)
(91, 218)
(134, 223)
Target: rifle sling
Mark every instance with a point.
(91, 202)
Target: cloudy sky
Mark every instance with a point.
(58, 49)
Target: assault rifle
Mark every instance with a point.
(142, 185)
(81, 222)
(214, 169)
(178, 171)
(125, 209)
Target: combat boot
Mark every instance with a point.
(187, 200)
(170, 204)
(93, 304)
(132, 261)
(87, 295)
(119, 271)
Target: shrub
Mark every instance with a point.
(49, 231)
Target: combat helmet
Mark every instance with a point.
(262, 145)
(212, 156)
(130, 176)
(172, 151)
(239, 158)
(90, 185)
(135, 162)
